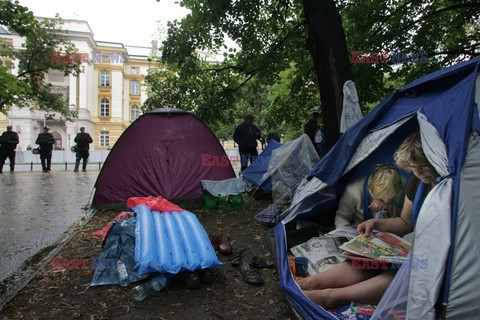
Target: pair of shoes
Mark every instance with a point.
(221, 243)
(75, 170)
(260, 263)
(45, 170)
(84, 170)
(253, 261)
(195, 279)
(250, 275)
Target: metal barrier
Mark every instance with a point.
(66, 165)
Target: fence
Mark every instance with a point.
(61, 160)
(65, 160)
(57, 166)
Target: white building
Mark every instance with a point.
(107, 95)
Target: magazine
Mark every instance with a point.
(345, 231)
(380, 245)
(322, 252)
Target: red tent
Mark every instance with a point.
(163, 154)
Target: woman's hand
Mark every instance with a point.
(378, 205)
(366, 227)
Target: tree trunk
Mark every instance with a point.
(326, 43)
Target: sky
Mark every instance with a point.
(130, 22)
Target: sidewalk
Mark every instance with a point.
(66, 292)
(36, 210)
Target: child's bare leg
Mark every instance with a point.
(341, 275)
(369, 291)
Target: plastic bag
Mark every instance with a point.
(124, 215)
(154, 203)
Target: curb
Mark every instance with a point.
(20, 278)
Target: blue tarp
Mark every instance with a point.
(119, 245)
(437, 95)
(254, 173)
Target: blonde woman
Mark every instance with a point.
(379, 193)
(342, 283)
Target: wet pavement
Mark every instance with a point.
(36, 209)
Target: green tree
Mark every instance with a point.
(215, 90)
(271, 39)
(447, 31)
(27, 87)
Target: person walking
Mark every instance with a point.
(83, 141)
(246, 136)
(8, 144)
(46, 141)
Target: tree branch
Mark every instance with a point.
(224, 68)
(384, 20)
(458, 6)
(424, 17)
(454, 52)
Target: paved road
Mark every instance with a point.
(36, 209)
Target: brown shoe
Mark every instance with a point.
(215, 241)
(225, 247)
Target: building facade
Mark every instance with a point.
(107, 95)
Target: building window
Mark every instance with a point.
(135, 70)
(135, 87)
(104, 138)
(105, 78)
(134, 112)
(104, 108)
(63, 91)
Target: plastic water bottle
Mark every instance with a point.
(148, 288)
(122, 274)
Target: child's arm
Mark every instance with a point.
(399, 225)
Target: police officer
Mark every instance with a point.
(8, 143)
(46, 141)
(83, 141)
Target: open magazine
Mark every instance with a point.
(322, 252)
(380, 245)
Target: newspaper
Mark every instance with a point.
(323, 253)
(345, 231)
(380, 245)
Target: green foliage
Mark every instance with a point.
(251, 40)
(266, 70)
(447, 31)
(28, 87)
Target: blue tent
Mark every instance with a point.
(443, 106)
(254, 173)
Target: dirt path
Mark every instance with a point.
(58, 294)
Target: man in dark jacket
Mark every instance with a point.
(83, 141)
(312, 130)
(246, 136)
(8, 143)
(46, 141)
